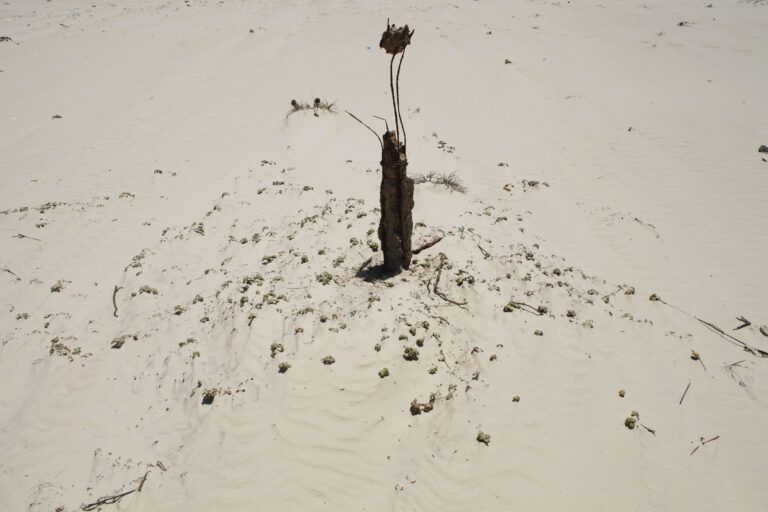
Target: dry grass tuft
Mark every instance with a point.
(450, 181)
(317, 104)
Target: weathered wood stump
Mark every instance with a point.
(396, 224)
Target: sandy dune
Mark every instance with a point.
(610, 154)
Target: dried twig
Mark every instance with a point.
(365, 264)
(397, 91)
(442, 358)
(733, 339)
(427, 245)
(142, 481)
(523, 306)
(12, 273)
(114, 299)
(386, 124)
(437, 281)
(719, 331)
(652, 431)
(109, 500)
(702, 442)
(744, 323)
(486, 254)
(372, 130)
(684, 392)
(20, 235)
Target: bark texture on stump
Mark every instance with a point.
(396, 224)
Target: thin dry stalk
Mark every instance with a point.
(427, 245)
(394, 100)
(397, 91)
(362, 123)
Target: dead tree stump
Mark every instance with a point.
(396, 224)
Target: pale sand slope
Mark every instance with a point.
(677, 207)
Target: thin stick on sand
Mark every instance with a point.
(703, 442)
(12, 273)
(731, 339)
(365, 264)
(20, 235)
(109, 500)
(114, 299)
(684, 392)
(441, 294)
(427, 245)
(486, 254)
(528, 307)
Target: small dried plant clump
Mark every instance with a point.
(297, 106)
(317, 104)
(450, 181)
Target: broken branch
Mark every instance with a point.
(427, 245)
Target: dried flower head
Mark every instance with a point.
(394, 40)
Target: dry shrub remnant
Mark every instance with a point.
(396, 192)
(449, 181)
(317, 105)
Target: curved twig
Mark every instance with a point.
(441, 294)
(114, 299)
(386, 124)
(397, 88)
(362, 123)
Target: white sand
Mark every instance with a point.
(676, 206)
